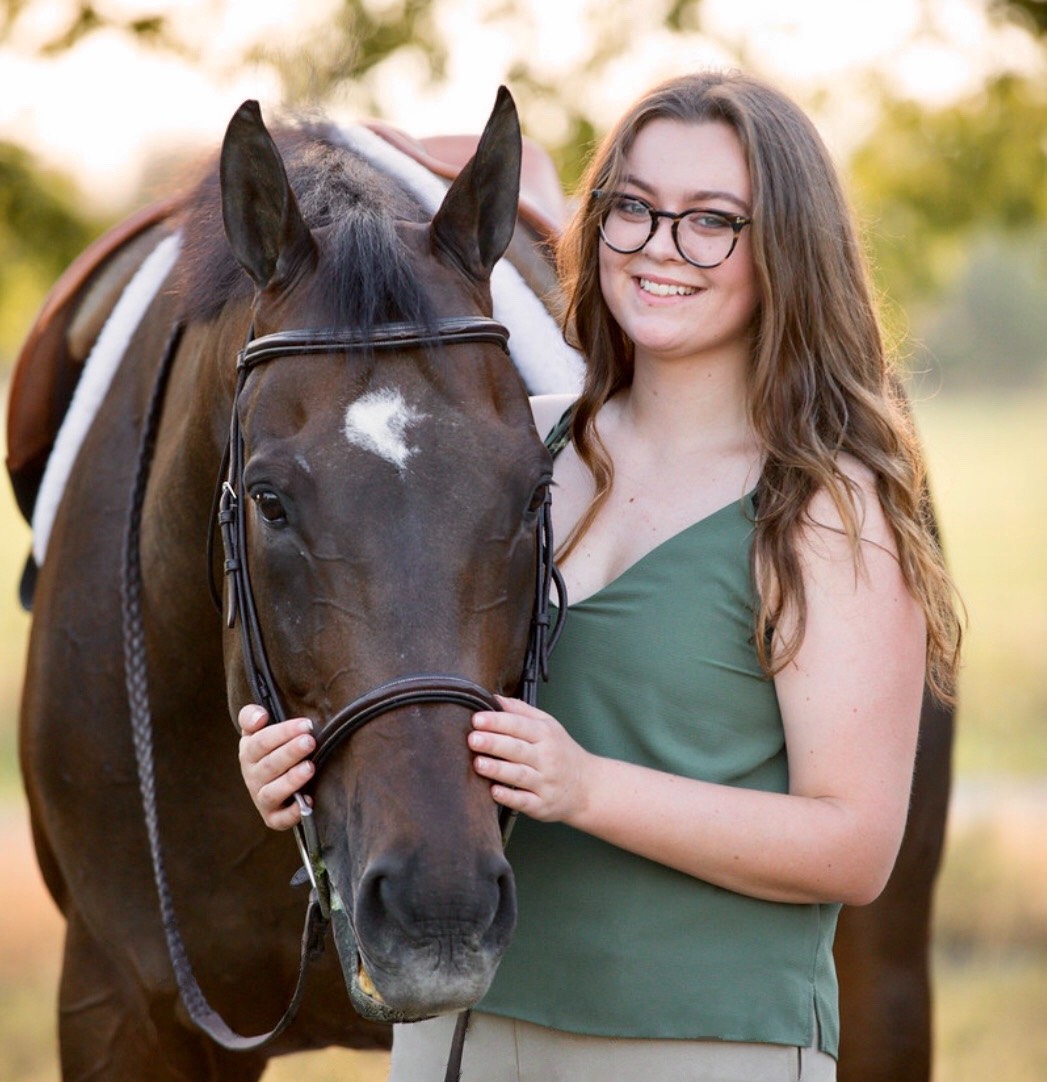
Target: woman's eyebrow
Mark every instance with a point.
(698, 196)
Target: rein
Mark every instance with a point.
(137, 682)
(392, 695)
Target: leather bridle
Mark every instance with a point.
(409, 690)
(406, 690)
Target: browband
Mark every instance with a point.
(384, 336)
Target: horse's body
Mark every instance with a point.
(120, 1017)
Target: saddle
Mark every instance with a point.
(51, 360)
(542, 203)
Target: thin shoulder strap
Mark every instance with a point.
(560, 434)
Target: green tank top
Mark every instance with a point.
(658, 668)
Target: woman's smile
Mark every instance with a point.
(657, 288)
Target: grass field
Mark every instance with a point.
(989, 468)
(988, 461)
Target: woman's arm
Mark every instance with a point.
(850, 703)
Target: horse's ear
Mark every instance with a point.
(262, 221)
(476, 220)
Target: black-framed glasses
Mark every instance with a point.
(704, 238)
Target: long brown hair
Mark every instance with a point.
(820, 383)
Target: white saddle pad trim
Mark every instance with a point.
(544, 360)
(99, 369)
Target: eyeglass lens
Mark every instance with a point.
(703, 237)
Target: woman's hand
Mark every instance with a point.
(533, 763)
(274, 763)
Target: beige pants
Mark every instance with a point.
(503, 1050)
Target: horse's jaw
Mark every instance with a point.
(411, 1000)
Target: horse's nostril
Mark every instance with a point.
(370, 907)
(398, 898)
(505, 916)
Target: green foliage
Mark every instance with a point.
(990, 324)
(41, 232)
(927, 179)
(987, 455)
(84, 19)
(357, 40)
(38, 212)
(1031, 15)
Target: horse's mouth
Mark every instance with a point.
(365, 984)
(367, 1001)
(364, 995)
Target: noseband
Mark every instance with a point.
(403, 691)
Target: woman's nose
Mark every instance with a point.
(661, 243)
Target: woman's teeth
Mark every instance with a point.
(664, 289)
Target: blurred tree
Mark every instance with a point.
(990, 326)
(348, 49)
(928, 179)
(41, 231)
(955, 206)
(1029, 14)
(85, 18)
(369, 32)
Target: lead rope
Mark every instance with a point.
(544, 637)
(137, 683)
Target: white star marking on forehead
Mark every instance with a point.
(379, 421)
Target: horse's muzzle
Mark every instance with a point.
(411, 949)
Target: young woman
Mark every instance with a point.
(724, 753)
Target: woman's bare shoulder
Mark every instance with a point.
(871, 521)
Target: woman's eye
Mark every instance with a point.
(707, 222)
(631, 208)
(270, 506)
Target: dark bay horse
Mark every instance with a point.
(390, 488)
(78, 765)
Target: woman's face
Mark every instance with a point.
(670, 309)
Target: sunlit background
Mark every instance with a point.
(937, 113)
(141, 80)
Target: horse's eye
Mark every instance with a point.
(269, 506)
(538, 498)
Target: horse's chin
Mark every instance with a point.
(444, 996)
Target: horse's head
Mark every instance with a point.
(392, 491)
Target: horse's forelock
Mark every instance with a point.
(365, 277)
